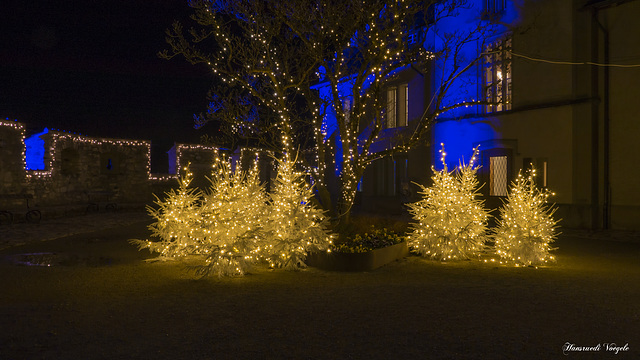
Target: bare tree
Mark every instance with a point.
(272, 55)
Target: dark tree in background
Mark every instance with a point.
(270, 57)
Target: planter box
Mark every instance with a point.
(367, 261)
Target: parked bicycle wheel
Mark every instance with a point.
(6, 217)
(92, 208)
(34, 216)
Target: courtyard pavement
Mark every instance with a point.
(104, 301)
(58, 227)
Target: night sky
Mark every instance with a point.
(91, 67)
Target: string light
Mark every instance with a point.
(450, 222)
(218, 229)
(233, 224)
(358, 54)
(526, 227)
(293, 225)
(59, 140)
(20, 128)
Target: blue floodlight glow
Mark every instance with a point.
(34, 154)
(464, 125)
(459, 138)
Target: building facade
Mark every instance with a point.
(555, 88)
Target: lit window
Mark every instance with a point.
(498, 176)
(497, 76)
(397, 106)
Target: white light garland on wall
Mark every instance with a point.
(57, 136)
(20, 127)
(186, 147)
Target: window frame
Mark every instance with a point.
(497, 76)
(501, 174)
(494, 7)
(485, 170)
(397, 109)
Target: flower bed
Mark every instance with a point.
(362, 253)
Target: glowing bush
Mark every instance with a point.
(294, 226)
(232, 214)
(218, 231)
(450, 222)
(177, 220)
(526, 227)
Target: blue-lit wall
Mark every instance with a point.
(459, 139)
(463, 128)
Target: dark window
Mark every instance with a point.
(69, 161)
(401, 175)
(384, 177)
(347, 106)
(494, 6)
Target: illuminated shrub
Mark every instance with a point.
(294, 226)
(177, 220)
(450, 222)
(219, 231)
(232, 214)
(526, 227)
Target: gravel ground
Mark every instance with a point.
(23, 233)
(102, 301)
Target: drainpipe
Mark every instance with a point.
(595, 126)
(606, 213)
(595, 133)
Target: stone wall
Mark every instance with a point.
(12, 168)
(80, 170)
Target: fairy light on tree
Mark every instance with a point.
(526, 227)
(232, 212)
(271, 55)
(217, 232)
(177, 222)
(450, 221)
(294, 226)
